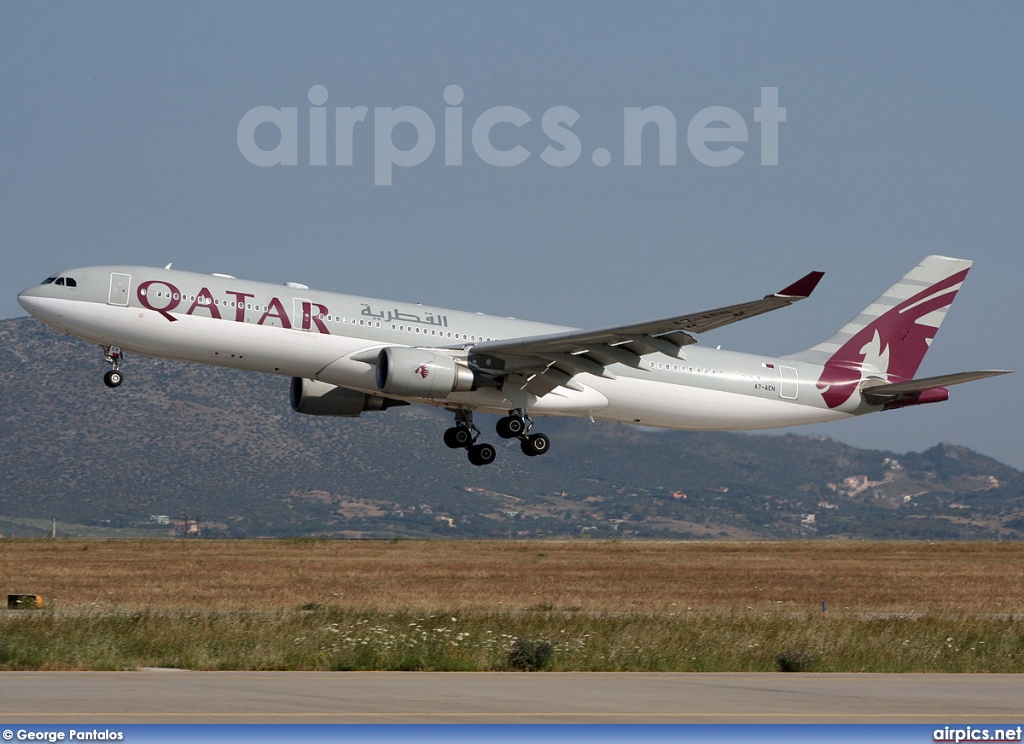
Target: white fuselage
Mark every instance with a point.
(294, 331)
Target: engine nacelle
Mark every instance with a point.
(316, 398)
(420, 373)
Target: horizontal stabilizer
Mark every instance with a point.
(895, 389)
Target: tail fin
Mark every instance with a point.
(890, 337)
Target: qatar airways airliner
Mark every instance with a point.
(347, 354)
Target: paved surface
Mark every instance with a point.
(167, 696)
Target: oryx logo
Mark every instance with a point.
(894, 343)
(423, 370)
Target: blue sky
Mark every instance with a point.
(119, 144)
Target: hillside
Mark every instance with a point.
(180, 438)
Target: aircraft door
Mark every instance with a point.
(120, 286)
(790, 383)
(302, 314)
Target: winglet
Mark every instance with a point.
(802, 288)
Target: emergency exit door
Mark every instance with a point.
(120, 286)
(790, 383)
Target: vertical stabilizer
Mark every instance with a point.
(890, 337)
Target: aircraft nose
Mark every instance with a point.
(37, 303)
(29, 299)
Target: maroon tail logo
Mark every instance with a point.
(422, 371)
(894, 343)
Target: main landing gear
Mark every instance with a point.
(464, 435)
(516, 425)
(113, 355)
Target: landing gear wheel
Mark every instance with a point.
(113, 356)
(510, 427)
(458, 436)
(535, 444)
(482, 454)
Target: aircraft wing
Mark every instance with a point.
(886, 391)
(548, 361)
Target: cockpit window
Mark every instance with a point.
(63, 281)
(49, 280)
(60, 282)
(71, 282)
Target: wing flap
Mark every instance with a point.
(608, 355)
(542, 381)
(578, 363)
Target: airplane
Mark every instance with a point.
(347, 355)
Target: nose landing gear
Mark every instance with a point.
(114, 377)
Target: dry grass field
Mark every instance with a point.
(604, 577)
(317, 604)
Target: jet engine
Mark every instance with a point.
(419, 373)
(321, 399)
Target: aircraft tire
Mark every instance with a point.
(113, 378)
(482, 454)
(510, 427)
(458, 436)
(535, 444)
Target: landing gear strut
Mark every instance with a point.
(464, 435)
(113, 355)
(517, 425)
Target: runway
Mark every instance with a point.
(172, 696)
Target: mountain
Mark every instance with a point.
(225, 446)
